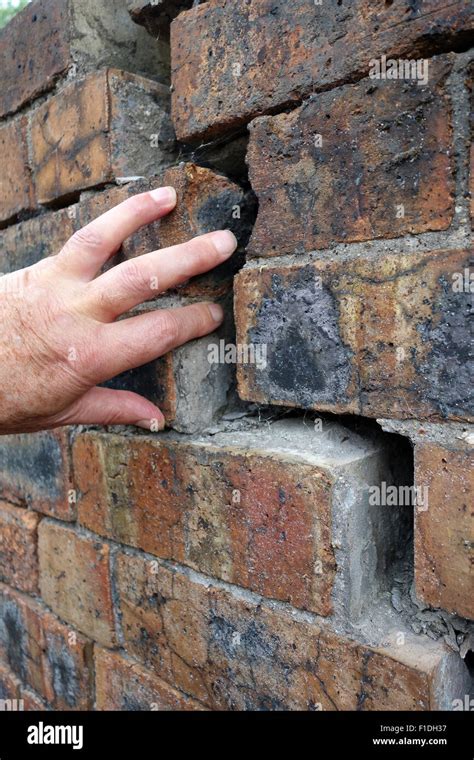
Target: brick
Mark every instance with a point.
(220, 84)
(35, 470)
(207, 201)
(9, 689)
(379, 336)
(444, 532)
(16, 189)
(122, 684)
(22, 245)
(46, 655)
(50, 38)
(18, 547)
(75, 580)
(374, 158)
(255, 509)
(156, 15)
(96, 130)
(239, 654)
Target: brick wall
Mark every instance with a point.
(301, 537)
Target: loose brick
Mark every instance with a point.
(98, 129)
(52, 37)
(16, 188)
(444, 532)
(75, 580)
(255, 509)
(291, 50)
(18, 547)
(35, 469)
(384, 337)
(157, 15)
(122, 684)
(206, 202)
(234, 653)
(379, 171)
(44, 653)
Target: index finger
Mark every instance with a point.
(90, 247)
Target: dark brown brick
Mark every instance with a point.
(45, 654)
(35, 469)
(378, 172)
(380, 336)
(22, 245)
(157, 15)
(291, 50)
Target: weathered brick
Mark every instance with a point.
(379, 171)
(35, 469)
(9, 689)
(122, 684)
(51, 37)
(206, 202)
(157, 15)
(378, 336)
(75, 580)
(22, 245)
(16, 188)
(444, 532)
(18, 547)
(98, 129)
(234, 653)
(291, 50)
(44, 653)
(255, 509)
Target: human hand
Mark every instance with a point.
(60, 337)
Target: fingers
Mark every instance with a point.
(90, 247)
(139, 279)
(104, 406)
(131, 342)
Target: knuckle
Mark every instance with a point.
(86, 237)
(132, 277)
(170, 328)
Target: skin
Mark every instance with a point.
(60, 336)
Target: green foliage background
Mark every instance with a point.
(7, 13)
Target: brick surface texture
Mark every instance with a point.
(301, 536)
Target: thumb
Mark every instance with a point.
(104, 406)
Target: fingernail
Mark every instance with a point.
(164, 195)
(225, 242)
(153, 424)
(216, 311)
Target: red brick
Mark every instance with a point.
(122, 684)
(45, 654)
(234, 653)
(75, 580)
(35, 469)
(18, 547)
(291, 50)
(16, 189)
(90, 133)
(374, 158)
(206, 201)
(259, 519)
(379, 336)
(444, 532)
(51, 38)
(33, 52)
